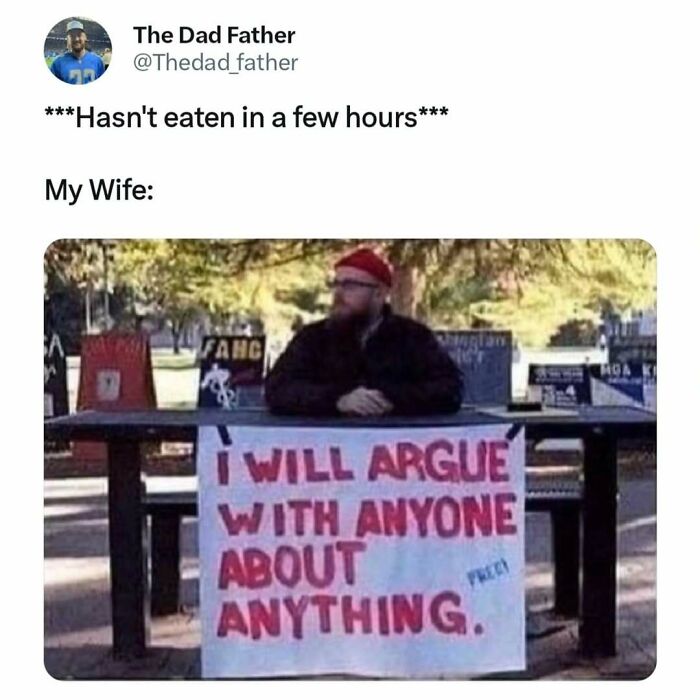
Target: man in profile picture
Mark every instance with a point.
(77, 65)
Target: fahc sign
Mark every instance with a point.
(231, 371)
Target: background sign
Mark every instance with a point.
(559, 386)
(116, 374)
(485, 358)
(624, 384)
(633, 348)
(55, 377)
(231, 371)
(381, 552)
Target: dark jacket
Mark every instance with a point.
(402, 359)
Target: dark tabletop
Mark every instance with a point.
(181, 425)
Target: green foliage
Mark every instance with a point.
(229, 281)
(532, 287)
(546, 284)
(77, 262)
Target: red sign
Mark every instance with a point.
(116, 374)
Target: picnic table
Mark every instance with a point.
(599, 429)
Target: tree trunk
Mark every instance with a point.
(175, 330)
(407, 291)
(88, 309)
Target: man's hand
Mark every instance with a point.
(364, 402)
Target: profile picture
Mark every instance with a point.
(77, 50)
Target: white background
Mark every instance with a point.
(566, 119)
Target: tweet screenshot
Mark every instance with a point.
(351, 314)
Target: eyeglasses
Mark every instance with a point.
(350, 285)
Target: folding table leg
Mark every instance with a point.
(599, 600)
(165, 564)
(127, 549)
(567, 558)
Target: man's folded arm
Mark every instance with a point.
(290, 387)
(439, 387)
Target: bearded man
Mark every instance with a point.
(78, 65)
(363, 360)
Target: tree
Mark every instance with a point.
(77, 263)
(229, 281)
(167, 276)
(532, 287)
(549, 285)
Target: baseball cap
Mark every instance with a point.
(74, 24)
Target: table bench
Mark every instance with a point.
(167, 509)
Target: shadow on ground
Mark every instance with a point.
(77, 623)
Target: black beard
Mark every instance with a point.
(350, 325)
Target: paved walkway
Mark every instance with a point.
(77, 614)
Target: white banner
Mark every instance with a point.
(375, 552)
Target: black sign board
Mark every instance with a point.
(559, 386)
(55, 376)
(485, 358)
(632, 348)
(231, 371)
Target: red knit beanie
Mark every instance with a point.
(367, 260)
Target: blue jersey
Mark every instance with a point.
(77, 71)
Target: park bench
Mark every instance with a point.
(166, 511)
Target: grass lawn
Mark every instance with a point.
(167, 360)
